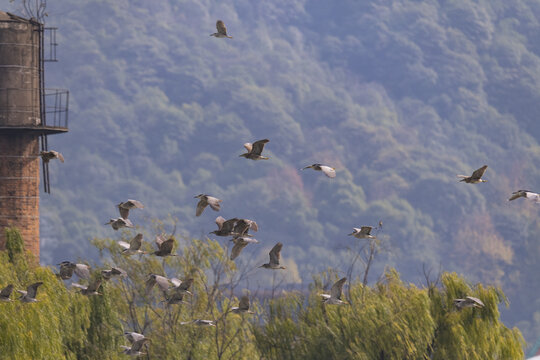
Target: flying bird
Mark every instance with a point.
(243, 306)
(327, 170)
(242, 227)
(204, 201)
(89, 290)
(221, 30)
(254, 150)
(363, 233)
(109, 274)
(525, 194)
(239, 244)
(5, 293)
(29, 295)
(51, 154)
(469, 301)
(334, 298)
(274, 258)
(225, 227)
(119, 223)
(476, 176)
(165, 247)
(134, 246)
(125, 206)
(180, 286)
(67, 268)
(199, 322)
(135, 348)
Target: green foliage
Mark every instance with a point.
(14, 243)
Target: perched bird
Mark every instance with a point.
(119, 223)
(29, 295)
(242, 227)
(165, 247)
(239, 244)
(221, 30)
(109, 274)
(363, 233)
(327, 170)
(335, 293)
(225, 227)
(67, 268)
(133, 336)
(476, 176)
(525, 194)
(204, 201)
(124, 207)
(5, 293)
(134, 246)
(89, 290)
(199, 322)
(469, 301)
(243, 306)
(254, 150)
(135, 348)
(161, 281)
(274, 258)
(51, 154)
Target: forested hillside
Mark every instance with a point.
(399, 96)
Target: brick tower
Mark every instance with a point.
(23, 125)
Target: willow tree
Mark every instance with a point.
(390, 320)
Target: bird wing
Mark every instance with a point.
(118, 271)
(253, 225)
(6, 291)
(241, 227)
(137, 345)
(123, 244)
(335, 292)
(248, 146)
(185, 284)
(134, 204)
(150, 282)
(244, 303)
(518, 194)
(124, 213)
(328, 171)
(258, 146)
(59, 156)
(82, 271)
(159, 240)
(162, 282)
(475, 300)
(176, 282)
(93, 286)
(275, 253)
(221, 28)
(219, 222)
(237, 249)
(214, 203)
(532, 196)
(228, 225)
(366, 230)
(477, 174)
(136, 242)
(201, 205)
(77, 285)
(66, 272)
(167, 246)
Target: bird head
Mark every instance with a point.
(198, 196)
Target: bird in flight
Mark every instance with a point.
(125, 206)
(274, 258)
(363, 233)
(525, 194)
(476, 176)
(334, 298)
(469, 301)
(254, 150)
(221, 30)
(327, 170)
(51, 154)
(204, 201)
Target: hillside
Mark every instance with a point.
(399, 96)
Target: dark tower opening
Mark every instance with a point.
(24, 105)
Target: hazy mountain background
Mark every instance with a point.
(399, 96)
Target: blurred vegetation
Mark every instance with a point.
(399, 96)
(389, 320)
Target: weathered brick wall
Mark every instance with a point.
(19, 188)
